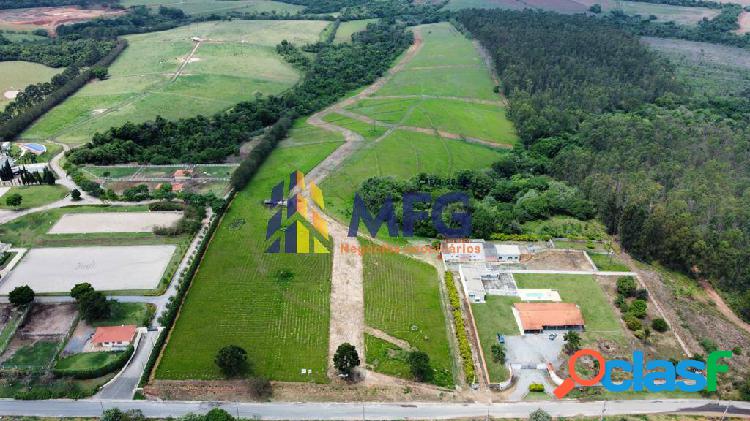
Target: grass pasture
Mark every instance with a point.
(401, 155)
(387, 358)
(601, 321)
(402, 298)
(207, 7)
(711, 69)
(608, 262)
(17, 75)
(483, 121)
(469, 82)
(681, 15)
(35, 356)
(237, 297)
(238, 62)
(347, 29)
(303, 133)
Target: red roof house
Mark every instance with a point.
(114, 336)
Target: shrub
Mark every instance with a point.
(346, 359)
(660, 325)
(165, 206)
(641, 294)
(536, 387)
(708, 345)
(20, 296)
(638, 308)
(419, 363)
(498, 353)
(464, 348)
(633, 323)
(626, 286)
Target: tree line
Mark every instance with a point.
(669, 172)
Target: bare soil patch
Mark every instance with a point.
(73, 223)
(562, 260)
(744, 22)
(50, 18)
(11, 94)
(45, 322)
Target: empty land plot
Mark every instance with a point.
(113, 222)
(237, 60)
(710, 68)
(303, 133)
(444, 46)
(15, 76)
(562, 6)
(347, 29)
(48, 18)
(58, 269)
(493, 317)
(402, 298)
(599, 317)
(483, 121)
(205, 7)
(238, 297)
(402, 155)
(35, 196)
(469, 82)
(367, 131)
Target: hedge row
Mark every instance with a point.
(464, 348)
(14, 127)
(92, 373)
(169, 316)
(521, 237)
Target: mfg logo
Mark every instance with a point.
(458, 227)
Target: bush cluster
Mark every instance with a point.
(464, 347)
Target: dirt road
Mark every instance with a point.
(723, 307)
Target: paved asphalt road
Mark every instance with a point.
(373, 411)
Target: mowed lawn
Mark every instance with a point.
(239, 62)
(237, 297)
(34, 196)
(17, 75)
(401, 155)
(493, 317)
(483, 121)
(599, 317)
(402, 298)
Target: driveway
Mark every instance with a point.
(534, 349)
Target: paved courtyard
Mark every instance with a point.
(58, 269)
(533, 349)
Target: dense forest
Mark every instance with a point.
(336, 69)
(138, 20)
(670, 174)
(59, 53)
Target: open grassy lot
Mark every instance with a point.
(368, 131)
(401, 155)
(709, 68)
(206, 7)
(599, 317)
(34, 196)
(149, 78)
(33, 356)
(17, 75)
(682, 15)
(493, 317)
(238, 298)
(138, 314)
(444, 46)
(608, 262)
(305, 134)
(402, 298)
(483, 121)
(387, 358)
(87, 360)
(469, 82)
(346, 29)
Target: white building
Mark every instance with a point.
(509, 253)
(466, 251)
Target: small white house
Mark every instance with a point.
(508, 253)
(473, 287)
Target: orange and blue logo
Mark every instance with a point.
(305, 230)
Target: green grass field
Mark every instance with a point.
(205, 7)
(402, 155)
(483, 121)
(682, 15)
(17, 75)
(599, 317)
(347, 29)
(608, 263)
(402, 298)
(471, 82)
(305, 134)
(368, 131)
(138, 314)
(34, 196)
(239, 62)
(237, 298)
(87, 360)
(493, 317)
(387, 358)
(444, 46)
(33, 356)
